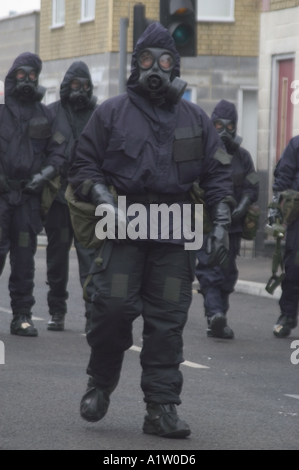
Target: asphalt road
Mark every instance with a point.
(239, 401)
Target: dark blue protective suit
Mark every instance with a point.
(218, 283)
(287, 177)
(28, 142)
(58, 224)
(155, 152)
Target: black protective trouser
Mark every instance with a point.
(289, 300)
(60, 239)
(218, 283)
(19, 227)
(154, 280)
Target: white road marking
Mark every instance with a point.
(293, 396)
(194, 365)
(186, 363)
(5, 310)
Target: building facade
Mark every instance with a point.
(278, 112)
(18, 34)
(226, 66)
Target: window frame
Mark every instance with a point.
(54, 14)
(50, 91)
(218, 19)
(90, 18)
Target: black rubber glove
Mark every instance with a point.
(4, 188)
(218, 240)
(99, 195)
(39, 181)
(274, 211)
(242, 207)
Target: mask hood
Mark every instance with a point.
(225, 110)
(77, 69)
(27, 59)
(155, 36)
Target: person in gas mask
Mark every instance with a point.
(216, 284)
(151, 146)
(31, 154)
(286, 177)
(71, 114)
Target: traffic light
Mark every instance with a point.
(179, 17)
(141, 23)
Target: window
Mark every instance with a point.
(191, 94)
(216, 10)
(88, 10)
(50, 96)
(58, 13)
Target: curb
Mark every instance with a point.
(251, 288)
(42, 240)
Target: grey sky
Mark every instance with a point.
(18, 5)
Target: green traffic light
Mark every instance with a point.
(182, 35)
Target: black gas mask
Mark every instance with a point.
(26, 83)
(156, 67)
(79, 92)
(227, 132)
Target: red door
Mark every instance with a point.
(285, 105)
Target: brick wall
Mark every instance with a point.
(240, 38)
(233, 39)
(282, 4)
(74, 39)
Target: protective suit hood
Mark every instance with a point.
(155, 36)
(225, 110)
(77, 69)
(23, 60)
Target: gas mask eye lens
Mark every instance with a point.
(20, 74)
(219, 126)
(75, 85)
(166, 61)
(146, 60)
(231, 127)
(86, 86)
(32, 75)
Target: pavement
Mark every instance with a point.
(238, 395)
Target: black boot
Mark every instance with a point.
(284, 326)
(163, 421)
(57, 322)
(218, 328)
(22, 325)
(95, 403)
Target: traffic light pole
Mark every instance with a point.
(123, 54)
